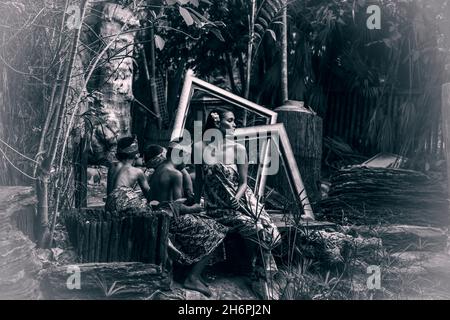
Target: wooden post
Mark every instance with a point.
(114, 238)
(81, 163)
(153, 231)
(106, 229)
(304, 129)
(446, 126)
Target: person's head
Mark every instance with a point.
(127, 149)
(179, 154)
(221, 119)
(154, 155)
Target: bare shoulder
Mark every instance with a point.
(138, 171)
(175, 174)
(240, 148)
(115, 166)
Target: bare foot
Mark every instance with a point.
(197, 285)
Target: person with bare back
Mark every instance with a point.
(193, 235)
(122, 179)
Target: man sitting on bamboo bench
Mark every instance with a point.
(123, 177)
(193, 235)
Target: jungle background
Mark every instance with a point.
(75, 75)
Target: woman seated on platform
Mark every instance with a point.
(122, 179)
(222, 179)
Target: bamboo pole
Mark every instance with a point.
(85, 248)
(98, 244)
(284, 56)
(106, 228)
(92, 240)
(69, 128)
(80, 239)
(129, 239)
(112, 253)
(145, 255)
(153, 236)
(122, 239)
(138, 236)
(163, 240)
(46, 165)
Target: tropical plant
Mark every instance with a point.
(111, 291)
(332, 50)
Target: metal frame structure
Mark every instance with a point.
(284, 148)
(192, 83)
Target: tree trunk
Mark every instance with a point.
(251, 35)
(151, 76)
(284, 56)
(304, 130)
(116, 74)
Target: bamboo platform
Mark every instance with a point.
(98, 237)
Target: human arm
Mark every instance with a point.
(143, 183)
(177, 193)
(242, 166)
(188, 187)
(198, 182)
(176, 183)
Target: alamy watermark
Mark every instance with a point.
(73, 20)
(374, 280)
(374, 20)
(74, 280)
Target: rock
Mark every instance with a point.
(19, 265)
(336, 248)
(285, 222)
(438, 265)
(225, 288)
(406, 237)
(408, 258)
(127, 280)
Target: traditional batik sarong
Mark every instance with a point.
(194, 236)
(124, 201)
(250, 220)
